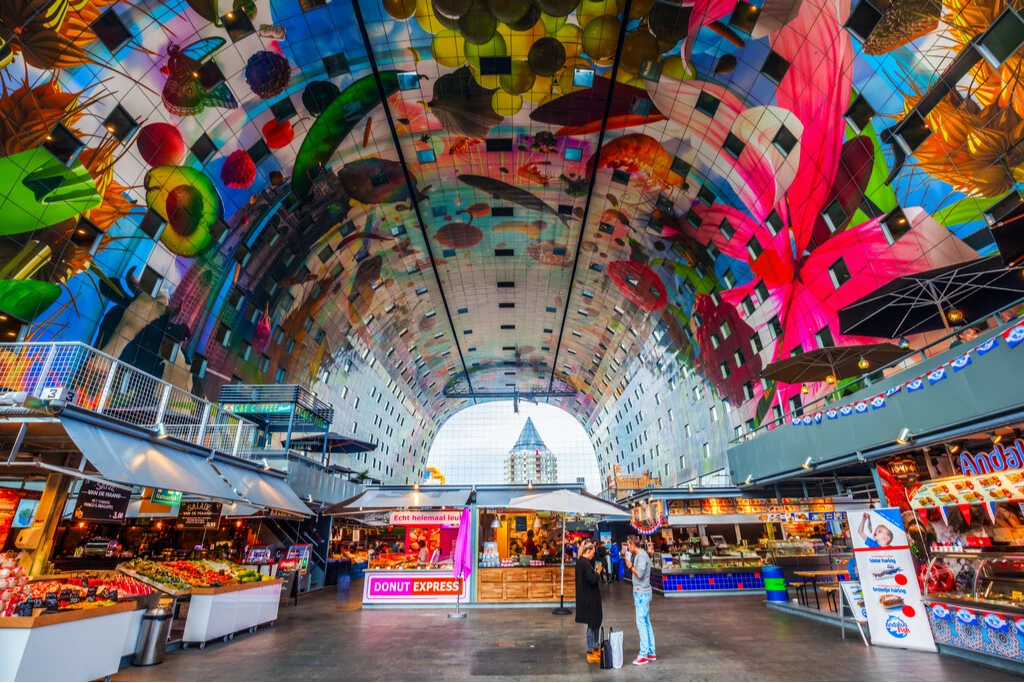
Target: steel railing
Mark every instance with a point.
(107, 386)
(879, 375)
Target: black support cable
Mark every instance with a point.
(409, 180)
(593, 181)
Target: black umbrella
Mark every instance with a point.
(930, 300)
(837, 362)
(1008, 234)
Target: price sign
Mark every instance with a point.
(199, 515)
(90, 594)
(50, 602)
(37, 602)
(65, 595)
(75, 598)
(101, 502)
(25, 608)
(112, 595)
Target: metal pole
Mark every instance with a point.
(561, 609)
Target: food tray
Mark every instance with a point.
(150, 582)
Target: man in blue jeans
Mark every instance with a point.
(639, 564)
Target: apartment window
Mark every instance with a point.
(795, 405)
(895, 225)
(834, 215)
(748, 305)
(748, 391)
(724, 367)
(696, 393)
(707, 449)
(775, 327)
(824, 337)
(774, 223)
(756, 342)
(725, 227)
(715, 341)
(754, 248)
(738, 357)
(762, 292)
(725, 329)
(839, 273)
(279, 375)
(714, 413)
(686, 430)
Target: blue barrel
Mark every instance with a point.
(774, 584)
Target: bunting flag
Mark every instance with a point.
(795, 421)
(832, 413)
(891, 391)
(1014, 335)
(878, 402)
(942, 513)
(985, 347)
(960, 362)
(817, 418)
(846, 410)
(990, 509)
(807, 419)
(965, 510)
(937, 375)
(860, 407)
(916, 384)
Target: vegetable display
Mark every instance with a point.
(183, 575)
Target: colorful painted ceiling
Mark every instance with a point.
(490, 193)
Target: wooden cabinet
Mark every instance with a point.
(524, 584)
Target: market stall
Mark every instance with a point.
(719, 545)
(970, 526)
(507, 572)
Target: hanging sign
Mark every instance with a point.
(426, 518)
(199, 515)
(165, 497)
(892, 598)
(101, 502)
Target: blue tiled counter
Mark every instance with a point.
(671, 582)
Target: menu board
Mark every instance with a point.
(102, 503)
(892, 597)
(995, 487)
(746, 506)
(199, 515)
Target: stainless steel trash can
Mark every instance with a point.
(156, 625)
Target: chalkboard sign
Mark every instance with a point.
(290, 587)
(50, 602)
(101, 502)
(37, 602)
(65, 595)
(90, 594)
(199, 515)
(75, 598)
(520, 523)
(112, 595)
(25, 608)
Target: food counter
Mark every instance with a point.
(694, 575)
(525, 584)
(396, 587)
(38, 647)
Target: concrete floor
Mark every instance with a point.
(716, 638)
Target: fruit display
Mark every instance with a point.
(13, 583)
(180, 576)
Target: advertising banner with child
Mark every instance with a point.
(892, 597)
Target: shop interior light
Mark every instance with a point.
(807, 463)
(416, 487)
(953, 448)
(496, 524)
(904, 437)
(160, 431)
(530, 484)
(536, 523)
(863, 363)
(266, 465)
(995, 437)
(955, 315)
(831, 379)
(804, 389)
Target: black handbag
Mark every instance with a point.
(606, 650)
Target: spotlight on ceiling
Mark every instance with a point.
(831, 379)
(690, 488)
(904, 437)
(804, 389)
(953, 448)
(807, 463)
(903, 343)
(995, 437)
(160, 431)
(863, 363)
(266, 465)
(749, 477)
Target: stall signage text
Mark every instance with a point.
(101, 502)
(413, 587)
(892, 597)
(1000, 459)
(199, 515)
(257, 408)
(165, 497)
(422, 518)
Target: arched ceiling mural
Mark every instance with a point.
(487, 193)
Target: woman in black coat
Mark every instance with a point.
(588, 599)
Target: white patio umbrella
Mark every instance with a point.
(568, 503)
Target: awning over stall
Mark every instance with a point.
(261, 489)
(133, 461)
(385, 499)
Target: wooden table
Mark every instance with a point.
(821, 573)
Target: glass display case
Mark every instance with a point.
(975, 601)
(678, 573)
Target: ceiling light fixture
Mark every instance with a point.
(496, 524)
(807, 463)
(903, 343)
(831, 379)
(995, 437)
(863, 363)
(904, 437)
(266, 465)
(804, 389)
(955, 315)
(953, 448)
(749, 477)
